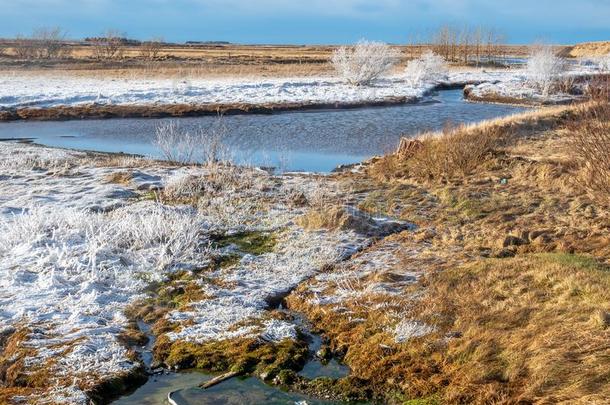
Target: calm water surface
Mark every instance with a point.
(309, 141)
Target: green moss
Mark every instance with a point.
(149, 196)
(572, 260)
(423, 401)
(228, 260)
(254, 243)
(245, 356)
(344, 389)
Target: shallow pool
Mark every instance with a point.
(308, 141)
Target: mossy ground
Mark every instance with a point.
(254, 243)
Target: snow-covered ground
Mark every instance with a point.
(78, 245)
(47, 90)
(518, 86)
(44, 90)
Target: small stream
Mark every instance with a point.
(184, 385)
(307, 141)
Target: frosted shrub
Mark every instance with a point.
(182, 146)
(365, 62)
(427, 67)
(184, 185)
(604, 63)
(175, 145)
(544, 68)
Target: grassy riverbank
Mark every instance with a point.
(501, 294)
(471, 266)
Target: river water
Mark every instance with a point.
(305, 141)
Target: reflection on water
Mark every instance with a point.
(310, 141)
(236, 391)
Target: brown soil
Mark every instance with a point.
(178, 110)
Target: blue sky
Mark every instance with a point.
(310, 21)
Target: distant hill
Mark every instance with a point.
(588, 49)
(207, 43)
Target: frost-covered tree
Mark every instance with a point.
(604, 63)
(543, 68)
(429, 66)
(364, 62)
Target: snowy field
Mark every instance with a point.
(77, 246)
(47, 90)
(52, 90)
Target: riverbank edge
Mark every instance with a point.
(97, 111)
(110, 111)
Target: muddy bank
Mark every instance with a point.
(96, 111)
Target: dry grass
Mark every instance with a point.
(459, 151)
(590, 140)
(120, 177)
(513, 259)
(531, 330)
(334, 218)
(588, 49)
(205, 61)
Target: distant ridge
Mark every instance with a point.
(588, 49)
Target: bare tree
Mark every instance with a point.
(49, 43)
(462, 44)
(23, 47)
(442, 42)
(365, 62)
(466, 38)
(150, 49)
(110, 45)
(477, 39)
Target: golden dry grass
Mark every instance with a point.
(205, 61)
(514, 261)
(120, 177)
(589, 49)
(458, 151)
(533, 329)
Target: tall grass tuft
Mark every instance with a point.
(590, 141)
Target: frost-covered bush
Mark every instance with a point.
(175, 145)
(183, 146)
(365, 62)
(604, 63)
(184, 185)
(544, 68)
(427, 67)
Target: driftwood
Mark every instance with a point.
(218, 379)
(206, 384)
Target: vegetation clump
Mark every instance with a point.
(254, 243)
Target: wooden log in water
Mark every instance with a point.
(218, 379)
